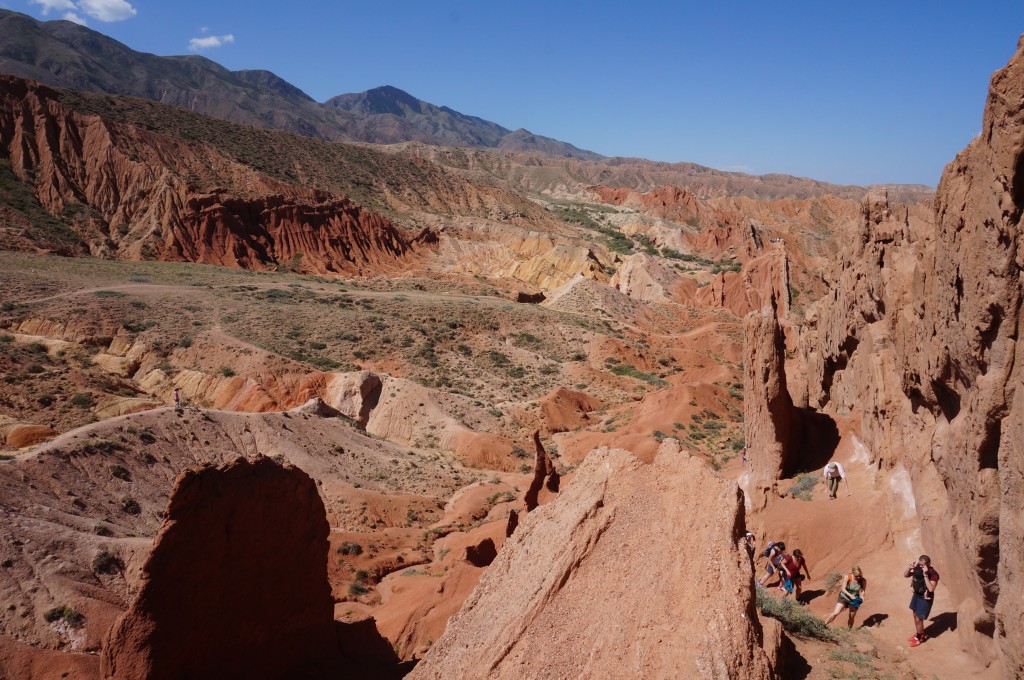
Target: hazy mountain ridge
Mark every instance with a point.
(64, 54)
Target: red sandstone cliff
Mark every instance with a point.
(236, 584)
(919, 338)
(135, 194)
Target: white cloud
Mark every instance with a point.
(58, 5)
(104, 10)
(210, 42)
(107, 10)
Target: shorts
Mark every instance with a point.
(851, 604)
(770, 570)
(921, 607)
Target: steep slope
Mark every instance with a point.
(590, 585)
(918, 342)
(134, 194)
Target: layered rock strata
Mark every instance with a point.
(135, 194)
(568, 597)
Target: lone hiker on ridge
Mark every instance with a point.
(833, 474)
(923, 579)
(177, 400)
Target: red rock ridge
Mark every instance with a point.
(590, 585)
(135, 194)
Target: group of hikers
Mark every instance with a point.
(791, 570)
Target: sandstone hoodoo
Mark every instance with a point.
(236, 583)
(568, 597)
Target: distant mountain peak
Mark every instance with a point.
(64, 54)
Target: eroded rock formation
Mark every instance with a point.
(919, 337)
(567, 597)
(134, 194)
(545, 476)
(236, 584)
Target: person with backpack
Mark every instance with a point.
(792, 565)
(851, 596)
(774, 553)
(923, 580)
(833, 474)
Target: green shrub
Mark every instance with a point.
(131, 506)
(804, 486)
(357, 589)
(227, 371)
(795, 617)
(185, 341)
(105, 563)
(121, 472)
(82, 400)
(72, 617)
(350, 548)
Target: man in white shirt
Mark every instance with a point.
(833, 474)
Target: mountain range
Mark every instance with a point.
(65, 54)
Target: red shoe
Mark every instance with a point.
(915, 641)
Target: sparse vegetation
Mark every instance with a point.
(69, 615)
(106, 563)
(795, 617)
(803, 488)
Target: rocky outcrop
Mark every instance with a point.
(134, 194)
(771, 419)
(545, 476)
(919, 339)
(667, 202)
(236, 583)
(567, 595)
(18, 434)
(564, 409)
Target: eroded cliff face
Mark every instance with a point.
(135, 194)
(236, 583)
(919, 337)
(567, 596)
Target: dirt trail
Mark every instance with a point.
(873, 526)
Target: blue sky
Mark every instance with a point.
(857, 93)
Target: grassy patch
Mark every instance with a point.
(633, 372)
(795, 617)
(804, 486)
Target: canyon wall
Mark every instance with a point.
(919, 338)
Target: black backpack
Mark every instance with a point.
(772, 546)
